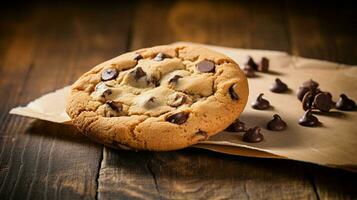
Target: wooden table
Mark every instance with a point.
(45, 47)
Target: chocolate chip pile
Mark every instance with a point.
(311, 97)
(250, 67)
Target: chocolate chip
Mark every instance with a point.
(178, 100)
(323, 101)
(137, 57)
(206, 66)
(253, 135)
(345, 103)
(264, 65)
(308, 119)
(250, 62)
(249, 72)
(260, 103)
(138, 73)
(276, 124)
(236, 126)
(202, 134)
(278, 86)
(301, 92)
(311, 84)
(307, 101)
(109, 74)
(116, 106)
(152, 80)
(106, 93)
(175, 79)
(232, 91)
(160, 57)
(178, 118)
(151, 99)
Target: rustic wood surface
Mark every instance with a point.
(44, 47)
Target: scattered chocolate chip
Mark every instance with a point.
(206, 66)
(345, 103)
(232, 91)
(264, 65)
(138, 73)
(308, 119)
(311, 84)
(175, 79)
(151, 102)
(116, 106)
(260, 103)
(137, 57)
(249, 72)
(323, 101)
(236, 126)
(307, 101)
(278, 86)
(250, 62)
(178, 118)
(109, 74)
(276, 124)
(253, 135)
(160, 57)
(301, 92)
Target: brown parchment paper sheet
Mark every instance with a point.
(332, 144)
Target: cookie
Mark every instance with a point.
(159, 98)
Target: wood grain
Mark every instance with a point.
(189, 174)
(41, 160)
(46, 46)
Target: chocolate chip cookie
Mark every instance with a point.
(159, 98)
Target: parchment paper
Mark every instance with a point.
(333, 144)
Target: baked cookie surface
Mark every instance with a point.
(159, 98)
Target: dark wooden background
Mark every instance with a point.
(44, 47)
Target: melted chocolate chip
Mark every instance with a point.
(178, 118)
(138, 73)
(236, 126)
(301, 92)
(264, 65)
(178, 100)
(232, 92)
(151, 102)
(175, 79)
(202, 134)
(152, 80)
(137, 57)
(260, 103)
(106, 93)
(206, 66)
(276, 124)
(116, 106)
(249, 72)
(250, 62)
(253, 135)
(307, 101)
(278, 86)
(345, 103)
(308, 119)
(311, 84)
(160, 57)
(109, 74)
(323, 101)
